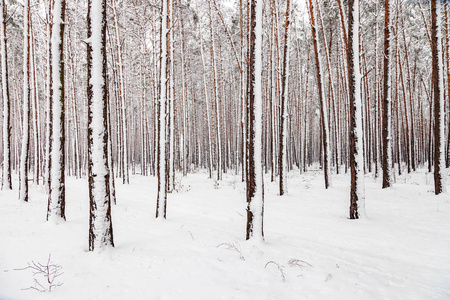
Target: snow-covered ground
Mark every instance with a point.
(312, 250)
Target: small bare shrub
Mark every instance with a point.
(44, 275)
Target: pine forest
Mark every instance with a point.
(225, 149)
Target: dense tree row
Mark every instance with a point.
(105, 89)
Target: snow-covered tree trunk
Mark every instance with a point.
(57, 195)
(255, 183)
(34, 108)
(447, 51)
(161, 201)
(6, 176)
(332, 96)
(100, 223)
(112, 183)
(23, 180)
(356, 134)
(205, 90)
(282, 164)
(126, 176)
(216, 94)
(171, 170)
(321, 92)
(183, 134)
(49, 121)
(273, 110)
(438, 95)
(386, 103)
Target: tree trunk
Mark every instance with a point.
(282, 164)
(438, 97)
(6, 176)
(100, 223)
(49, 121)
(356, 145)
(386, 103)
(23, 188)
(323, 108)
(57, 195)
(255, 184)
(161, 201)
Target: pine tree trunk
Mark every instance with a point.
(386, 117)
(255, 184)
(57, 195)
(100, 222)
(356, 145)
(161, 201)
(438, 97)
(205, 91)
(49, 121)
(282, 164)
(323, 109)
(447, 50)
(216, 95)
(6, 176)
(23, 181)
(126, 176)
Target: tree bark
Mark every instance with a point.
(320, 86)
(23, 188)
(282, 163)
(6, 176)
(57, 195)
(161, 201)
(438, 97)
(255, 184)
(356, 145)
(386, 103)
(100, 222)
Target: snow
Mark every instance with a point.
(399, 252)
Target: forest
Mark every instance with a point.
(252, 116)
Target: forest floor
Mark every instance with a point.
(311, 249)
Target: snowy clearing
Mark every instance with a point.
(312, 250)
